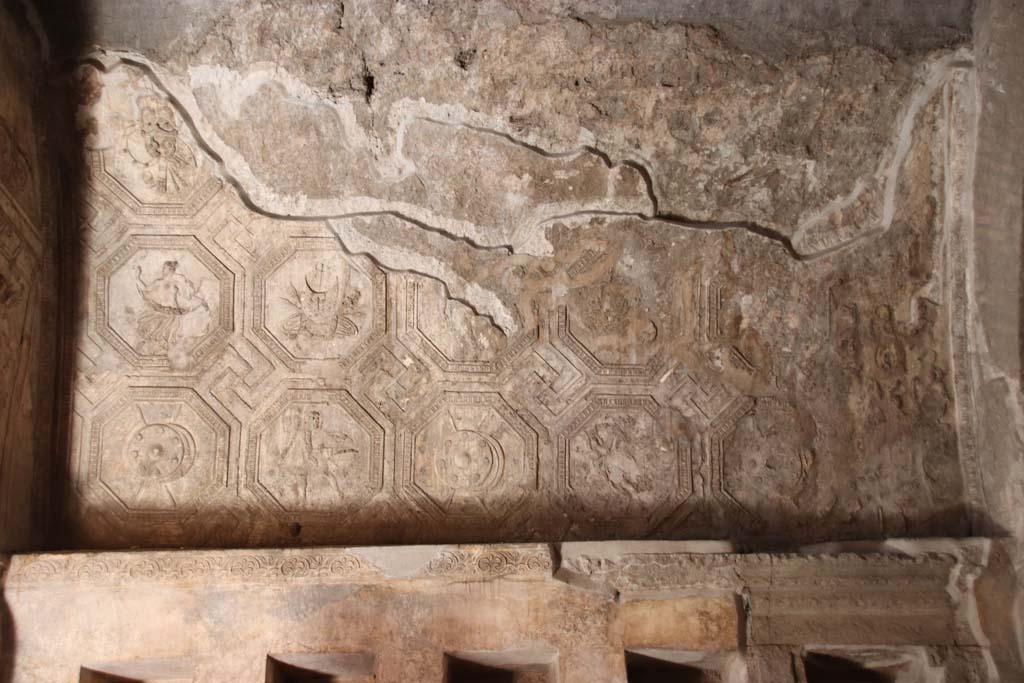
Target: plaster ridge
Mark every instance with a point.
(935, 75)
(227, 160)
(488, 307)
(478, 299)
(963, 332)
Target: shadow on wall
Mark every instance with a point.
(28, 276)
(58, 170)
(68, 26)
(41, 183)
(6, 631)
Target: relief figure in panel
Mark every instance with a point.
(769, 459)
(326, 307)
(162, 453)
(470, 460)
(153, 143)
(174, 309)
(163, 301)
(616, 470)
(157, 450)
(462, 459)
(617, 325)
(904, 471)
(317, 304)
(313, 451)
(141, 151)
(620, 463)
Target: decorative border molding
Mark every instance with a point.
(961, 105)
(355, 565)
(118, 568)
(492, 563)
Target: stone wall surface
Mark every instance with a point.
(580, 612)
(485, 278)
(995, 269)
(27, 288)
(998, 232)
(361, 273)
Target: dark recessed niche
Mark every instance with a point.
(829, 667)
(513, 666)
(178, 670)
(331, 667)
(647, 668)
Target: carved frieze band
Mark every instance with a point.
(491, 563)
(115, 569)
(371, 565)
(839, 574)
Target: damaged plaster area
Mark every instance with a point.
(435, 155)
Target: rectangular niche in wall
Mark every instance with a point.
(330, 667)
(505, 666)
(680, 666)
(866, 665)
(178, 670)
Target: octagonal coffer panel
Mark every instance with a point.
(315, 452)
(164, 302)
(469, 456)
(157, 453)
(315, 304)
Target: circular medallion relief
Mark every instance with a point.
(160, 452)
(471, 461)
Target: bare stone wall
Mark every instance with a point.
(27, 289)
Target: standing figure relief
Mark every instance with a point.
(313, 460)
